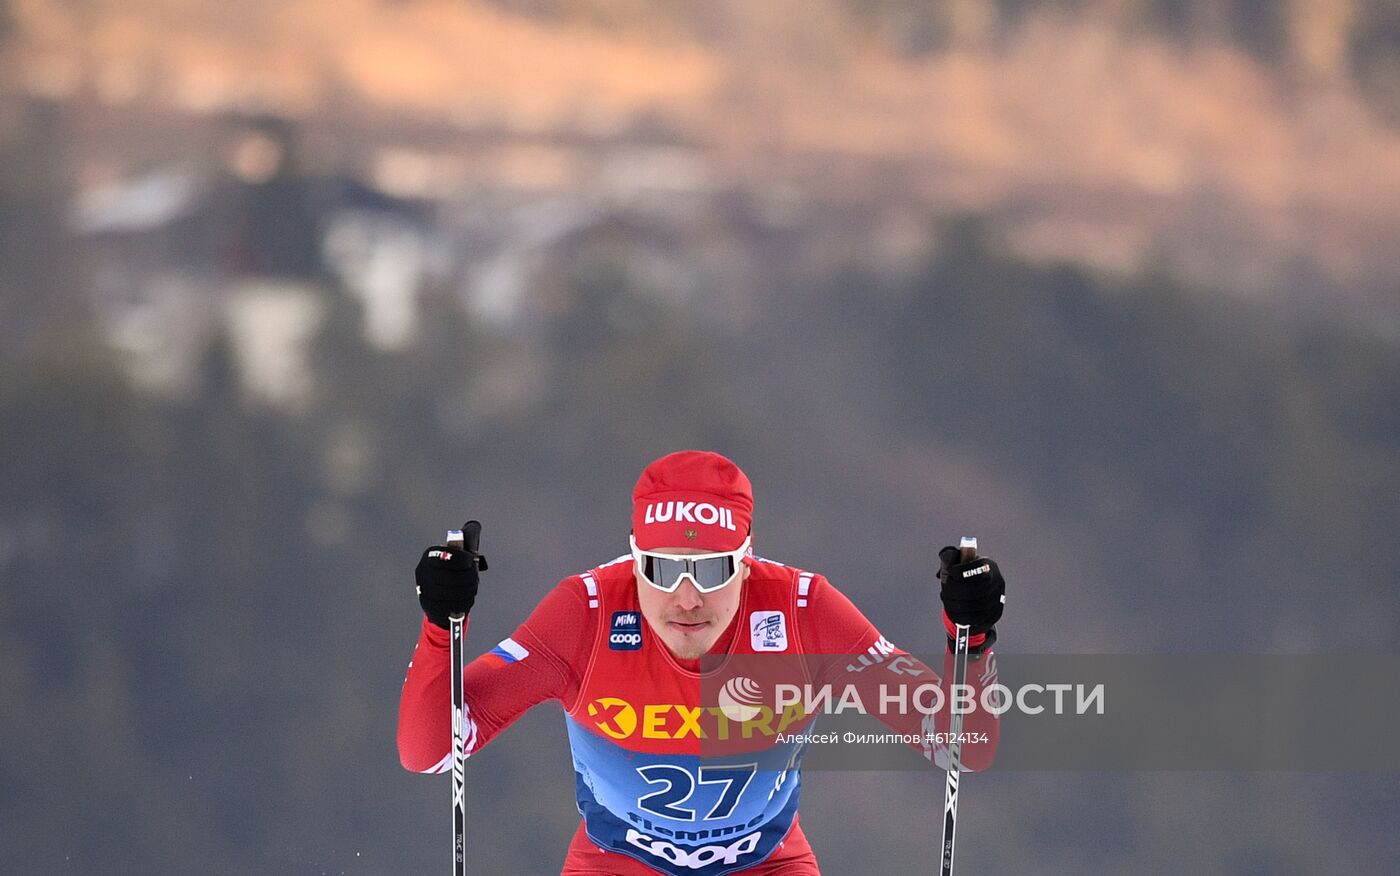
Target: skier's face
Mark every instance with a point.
(688, 621)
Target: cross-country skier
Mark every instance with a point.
(619, 646)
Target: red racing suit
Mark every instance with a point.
(664, 782)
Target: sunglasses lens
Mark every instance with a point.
(713, 573)
(663, 572)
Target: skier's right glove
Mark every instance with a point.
(447, 579)
(973, 593)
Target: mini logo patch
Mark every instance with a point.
(769, 631)
(691, 535)
(626, 632)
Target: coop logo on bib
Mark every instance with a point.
(768, 630)
(626, 632)
(693, 858)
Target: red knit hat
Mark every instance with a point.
(692, 498)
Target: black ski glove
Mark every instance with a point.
(447, 581)
(973, 593)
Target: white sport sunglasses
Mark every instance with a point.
(708, 572)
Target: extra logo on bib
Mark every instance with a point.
(769, 631)
(626, 631)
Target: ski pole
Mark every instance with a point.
(967, 552)
(467, 538)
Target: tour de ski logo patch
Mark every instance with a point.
(769, 631)
(626, 632)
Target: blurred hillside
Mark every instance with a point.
(288, 289)
(1249, 145)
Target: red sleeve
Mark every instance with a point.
(864, 658)
(543, 660)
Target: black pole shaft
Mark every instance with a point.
(459, 811)
(469, 539)
(967, 553)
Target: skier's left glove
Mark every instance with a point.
(973, 593)
(447, 579)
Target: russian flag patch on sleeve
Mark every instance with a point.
(510, 651)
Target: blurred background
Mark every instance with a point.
(289, 288)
